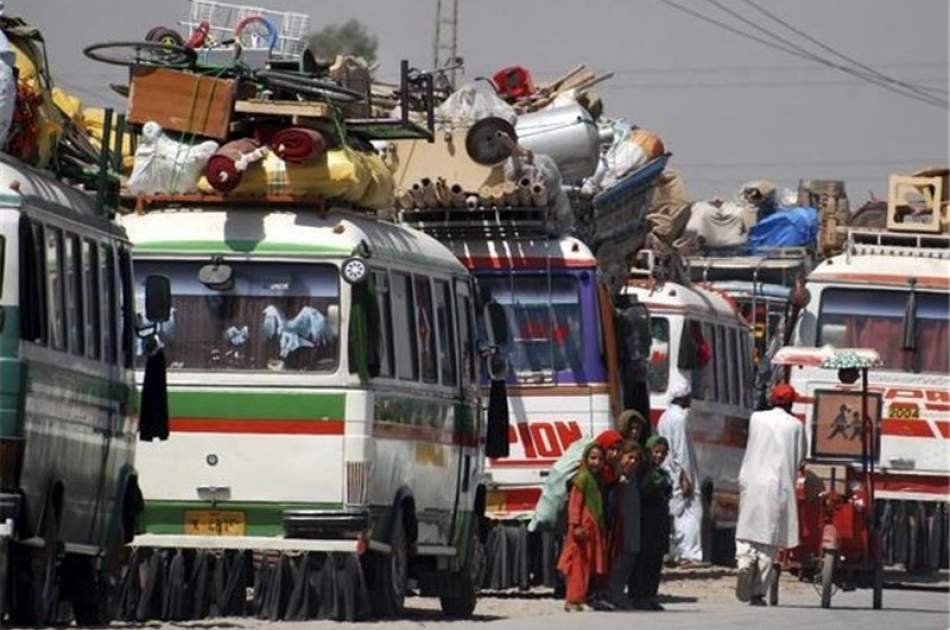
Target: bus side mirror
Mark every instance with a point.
(635, 335)
(497, 324)
(158, 298)
(153, 403)
(496, 437)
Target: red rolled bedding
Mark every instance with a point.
(298, 145)
(221, 170)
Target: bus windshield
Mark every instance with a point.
(873, 318)
(552, 324)
(276, 317)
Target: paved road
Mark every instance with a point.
(702, 604)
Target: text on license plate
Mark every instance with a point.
(214, 523)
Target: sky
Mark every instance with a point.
(729, 109)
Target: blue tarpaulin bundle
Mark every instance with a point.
(786, 227)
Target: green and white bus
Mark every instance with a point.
(327, 437)
(69, 493)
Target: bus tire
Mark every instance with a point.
(877, 597)
(5, 573)
(37, 600)
(461, 595)
(827, 578)
(91, 599)
(392, 570)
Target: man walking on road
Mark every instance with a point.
(768, 516)
(685, 505)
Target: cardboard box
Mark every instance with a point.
(182, 101)
(446, 157)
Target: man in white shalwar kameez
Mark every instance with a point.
(768, 515)
(685, 505)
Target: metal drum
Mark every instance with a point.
(567, 134)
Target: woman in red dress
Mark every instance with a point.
(584, 552)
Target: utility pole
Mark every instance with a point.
(445, 36)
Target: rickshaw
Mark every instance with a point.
(839, 538)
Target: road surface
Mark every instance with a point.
(704, 600)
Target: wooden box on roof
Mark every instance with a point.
(181, 101)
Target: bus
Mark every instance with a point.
(327, 436)
(699, 333)
(69, 489)
(563, 377)
(891, 292)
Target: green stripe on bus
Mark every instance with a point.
(256, 405)
(241, 246)
(262, 518)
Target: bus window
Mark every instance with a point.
(448, 372)
(109, 319)
(383, 297)
(703, 376)
(721, 358)
(127, 307)
(748, 380)
(425, 329)
(734, 363)
(32, 282)
(466, 335)
(90, 272)
(658, 367)
(873, 318)
(72, 264)
(54, 284)
(404, 327)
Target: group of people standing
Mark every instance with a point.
(635, 500)
(631, 492)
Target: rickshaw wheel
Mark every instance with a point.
(878, 598)
(827, 578)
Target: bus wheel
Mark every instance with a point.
(392, 571)
(827, 578)
(461, 593)
(91, 597)
(37, 600)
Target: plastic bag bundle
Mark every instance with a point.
(631, 148)
(471, 103)
(719, 225)
(786, 227)
(163, 165)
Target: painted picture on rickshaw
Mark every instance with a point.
(836, 426)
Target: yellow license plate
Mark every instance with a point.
(214, 523)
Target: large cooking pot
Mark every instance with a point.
(567, 134)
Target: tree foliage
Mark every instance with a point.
(349, 38)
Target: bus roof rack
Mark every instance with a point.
(870, 242)
(478, 223)
(142, 203)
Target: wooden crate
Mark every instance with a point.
(181, 101)
(446, 157)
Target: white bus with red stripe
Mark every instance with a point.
(860, 299)
(699, 334)
(563, 381)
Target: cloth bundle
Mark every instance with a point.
(298, 145)
(225, 169)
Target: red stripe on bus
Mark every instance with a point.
(515, 499)
(249, 425)
(944, 427)
(521, 463)
(906, 428)
(912, 483)
(936, 407)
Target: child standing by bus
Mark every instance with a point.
(584, 553)
(655, 525)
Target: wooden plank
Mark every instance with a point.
(181, 101)
(415, 159)
(306, 109)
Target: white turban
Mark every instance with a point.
(678, 388)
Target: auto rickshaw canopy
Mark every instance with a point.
(828, 357)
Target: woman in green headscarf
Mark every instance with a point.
(584, 552)
(633, 426)
(655, 496)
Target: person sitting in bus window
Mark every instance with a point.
(655, 493)
(583, 555)
(768, 514)
(685, 505)
(624, 537)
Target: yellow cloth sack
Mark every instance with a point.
(380, 194)
(92, 121)
(338, 174)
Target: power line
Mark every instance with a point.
(793, 51)
(803, 52)
(755, 84)
(828, 48)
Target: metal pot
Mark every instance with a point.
(567, 134)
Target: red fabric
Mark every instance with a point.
(580, 561)
(22, 141)
(221, 172)
(514, 82)
(609, 438)
(783, 394)
(884, 336)
(298, 145)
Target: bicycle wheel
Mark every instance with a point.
(140, 54)
(308, 86)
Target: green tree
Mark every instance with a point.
(349, 38)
